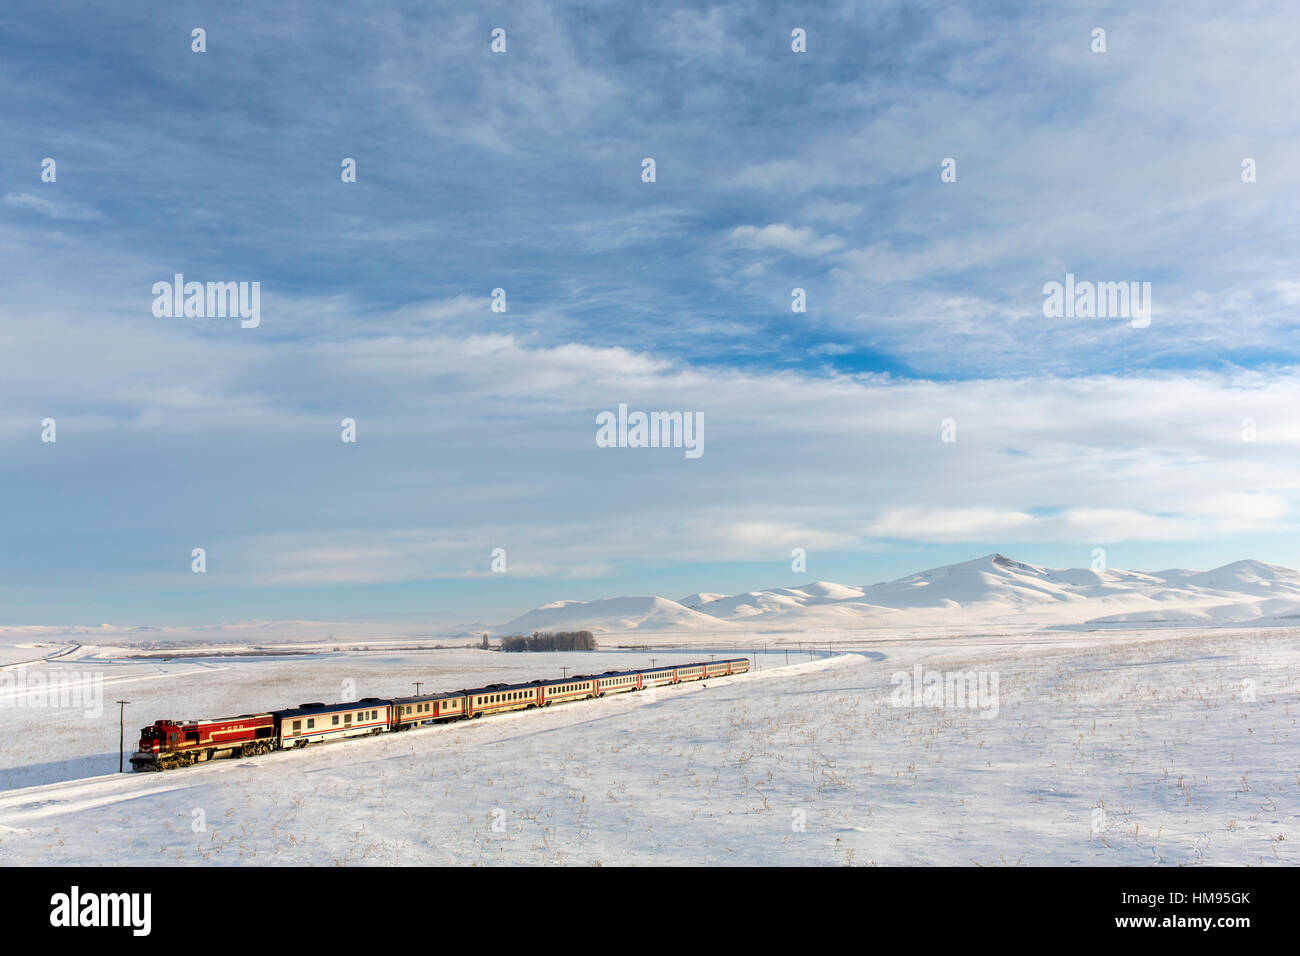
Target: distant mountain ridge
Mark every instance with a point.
(991, 589)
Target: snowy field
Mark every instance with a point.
(1134, 748)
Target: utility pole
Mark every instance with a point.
(417, 687)
(121, 732)
(564, 673)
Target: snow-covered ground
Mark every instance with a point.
(1137, 747)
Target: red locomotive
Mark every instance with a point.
(173, 743)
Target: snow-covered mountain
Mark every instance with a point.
(993, 589)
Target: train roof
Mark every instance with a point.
(422, 698)
(318, 708)
(497, 688)
(194, 721)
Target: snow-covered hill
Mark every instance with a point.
(993, 589)
(614, 614)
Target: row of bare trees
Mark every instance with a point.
(550, 641)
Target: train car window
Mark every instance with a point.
(311, 722)
(335, 721)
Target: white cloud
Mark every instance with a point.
(799, 242)
(53, 207)
(949, 524)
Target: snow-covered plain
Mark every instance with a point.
(1134, 747)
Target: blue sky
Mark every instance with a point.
(522, 171)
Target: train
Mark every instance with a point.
(168, 744)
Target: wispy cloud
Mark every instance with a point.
(53, 207)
